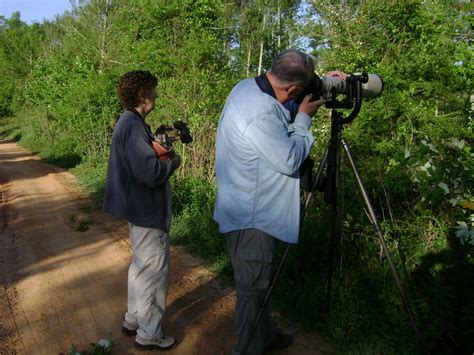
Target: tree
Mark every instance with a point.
(20, 44)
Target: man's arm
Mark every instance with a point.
(283, 151)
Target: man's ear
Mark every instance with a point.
(292, 91)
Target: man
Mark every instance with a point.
(258, 155)
(137, 190)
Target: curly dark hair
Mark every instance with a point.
(134, 86)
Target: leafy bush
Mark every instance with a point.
(193, 223)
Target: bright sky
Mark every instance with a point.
(34, 10)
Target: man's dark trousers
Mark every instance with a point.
(251, 253)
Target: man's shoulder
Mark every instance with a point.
(247, 87)
(251, 101)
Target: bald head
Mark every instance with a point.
(293, 67)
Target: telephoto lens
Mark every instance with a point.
(372, 86)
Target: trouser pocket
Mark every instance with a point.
(254, 271)
(253, 260)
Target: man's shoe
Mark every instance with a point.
(163, 343)
(129, 329)
(280, 341)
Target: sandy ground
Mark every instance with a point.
(61, 285)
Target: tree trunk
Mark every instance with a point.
(104, 16)
(260, 60)
(288, 33)
(248, 60)
(278, 26)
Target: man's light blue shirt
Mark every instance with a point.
(258, 154)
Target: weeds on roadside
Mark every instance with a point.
(102, 347)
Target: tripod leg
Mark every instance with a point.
(373, 220)
(334, 228)
(330, 193)
(314, 185)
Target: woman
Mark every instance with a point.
(138, 191)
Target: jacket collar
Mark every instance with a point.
(265, 86)
(135, 112)
(147, 127)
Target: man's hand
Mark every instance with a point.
(310, 107)
(175, 161)
(338, 73)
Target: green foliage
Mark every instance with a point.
(19, 46)
(413, 149)
(102, 347)
(465, 232)
(193, 224)
(443, 175)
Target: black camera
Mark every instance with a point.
(166, 135)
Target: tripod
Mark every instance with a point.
(330, 160)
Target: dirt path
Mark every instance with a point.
(61, 285)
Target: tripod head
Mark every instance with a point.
(356, 87)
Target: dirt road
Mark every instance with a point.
(63, 271)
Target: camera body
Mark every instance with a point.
(166, 135)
